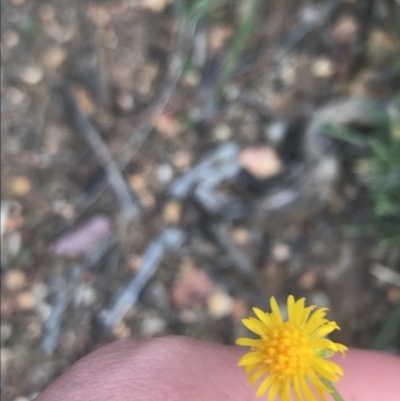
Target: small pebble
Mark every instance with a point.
(346, 29)
(307, 281)
(40, 291)
(34, 330)
(20, 185)
(153, 325)
(14, 280)
(182, 160)
(15, 96)
(164, 173)
(188, 316)
(125, 102)
(11, 39)
(14, 223)
(275, 132)
(168, 125)
(13, 243)
(220, 304)
(135, 262)
(99, 14)
(155, 5)
(191, 78)
(192, 287)
(6, 307)
(239, 310)
(85, 295)
(138, 183)
(122, 331)
(218, 36)
(47, 12)
(320, 299)
(232, 92)
(262, 162)
(240, 236)
(64, 209)
(323, 68)
(25, 301)
(6, 355)
(172, 212)
(54, 57)
(31, 75)
(84, 239)
(5, 331)
(393, 295)
(222, 133)
(281, 252)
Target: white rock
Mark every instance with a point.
(323, 68)
(5, 331)
(31, 74)
(222, 132)
(320, 299)
(153, 325)
(220, 304)
(85, 295)
(155, 5)
(164, 173)
(281, 252)
(275, 132)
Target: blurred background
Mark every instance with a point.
(167, 165)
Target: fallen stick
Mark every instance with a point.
(169, 239)
(130, 209)
(62, 296)
(219, 165)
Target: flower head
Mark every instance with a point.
(291, 353)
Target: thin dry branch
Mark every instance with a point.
(129, 208)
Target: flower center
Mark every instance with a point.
(286, 351)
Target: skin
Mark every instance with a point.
(183, 369)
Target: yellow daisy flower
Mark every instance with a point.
(291, 353)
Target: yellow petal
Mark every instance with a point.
(254, 325)
(250, 358)
(341, 348)
(306, 314)
(326, 329)
(264, 317)
(297, 390)
(248, 342)
(299, 310)
(273, 391)
(276, 313)
(316, 320)
(322, 343)
(264, 386)
(285, 393)
(291, 308)
(324, 370)
(255, 376)
(251, 367)
(316, 381)
(306, 389)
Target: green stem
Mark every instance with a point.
(335, 394)
(236, 49)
